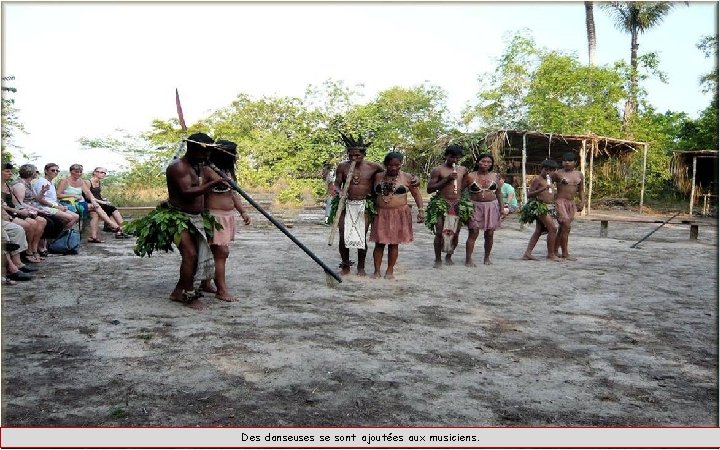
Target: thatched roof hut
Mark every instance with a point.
(696, 173)
(519, 152)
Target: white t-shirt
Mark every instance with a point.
(50, 194)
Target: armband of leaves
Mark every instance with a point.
(465, 207)
(333, 209)
(436, 208)
(532, 210)
(370, 207)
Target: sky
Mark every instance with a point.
(86, 69)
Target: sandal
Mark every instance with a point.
(32, 257)
(43, 253)
(93, 240)
(121, 235)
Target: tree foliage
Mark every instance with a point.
(11, 124)
(568, 97)
(636, 18)
(501, 99)
(285, 143)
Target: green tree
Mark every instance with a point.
(11, 124)
(636, 18)
(702, 134)
(501, 98)
(537, 89)
(568, 97)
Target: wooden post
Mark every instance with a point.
(524, 168)
(692, 188)
(524, 174)
(642, 189)
(603, 228)
(593, 146)
(583, 154)
(693, 232)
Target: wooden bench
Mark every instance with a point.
(694, 227)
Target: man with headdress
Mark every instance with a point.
(443, 211)
(354, 222)
(222, 202)
(186, 196)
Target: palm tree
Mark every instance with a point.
(636, 18)
(590, 26)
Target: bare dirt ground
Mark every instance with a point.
(621, 337)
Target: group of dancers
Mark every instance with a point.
(368, 194)
(377, 195)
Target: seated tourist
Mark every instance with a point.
(73, 192)
(95, 183)
(25, 198)
(33, 224)
(509, 199)
(46, 197)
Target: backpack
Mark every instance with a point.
(68, 243)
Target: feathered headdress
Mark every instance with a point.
(352, 143)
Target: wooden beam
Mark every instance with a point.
(583, 155)
(524, 169)
(642, 188)
(692, 187)
(593, 147)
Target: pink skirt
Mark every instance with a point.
(392, 226)
(227, 220)
(565, 209)
(486, 216)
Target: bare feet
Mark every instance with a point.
(527, 257)
(225, 296)
(470, 263)
(437, 264)
(389, 276)
(553, 258)
(205, 286)
(188, 298)
(375, 275)
(361, 272)
(449, 261)
(487, 261)
(345, 269)
(196, 304)
(568, 257)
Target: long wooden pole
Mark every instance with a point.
(661, 225)
(583, 156)
(642, 189)
(524, 168)
(593, 147)
(341, 203)
(692, 188)
(279, 225)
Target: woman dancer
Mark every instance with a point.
(485, 194)
(393, 224)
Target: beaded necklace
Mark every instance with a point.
(387, 188)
